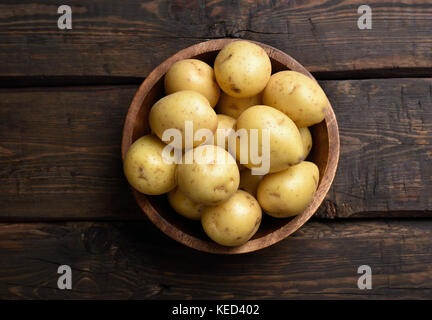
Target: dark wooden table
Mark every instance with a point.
(64, 200)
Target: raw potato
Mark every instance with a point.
(146, 170)
(225, 123)
(184, 206)
(298, 96)
(242, 69)
(233, 222)
(286, 146)
(287, 193)
(233, 107)
(249, 182)
(307, 141)
(211, 178)
(195, 75)
(173, 110)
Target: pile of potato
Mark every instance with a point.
(219, 191)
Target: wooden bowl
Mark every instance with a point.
(324, 153)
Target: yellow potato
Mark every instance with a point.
(249, 182)
(285, 147)
(211, 178)
(227, 125)
(242, 69)
(287, 193)
(307, 141)
(172, 112)
(184, 206)
(233, 107)
(298, 96)
(195, 75)
(146, 170)
(234, 221)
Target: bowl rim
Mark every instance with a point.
(255, 244)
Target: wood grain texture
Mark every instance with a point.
(129, 38)
(60, 151)
(136, 261)
(386, 148)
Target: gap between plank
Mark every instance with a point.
(60, 81)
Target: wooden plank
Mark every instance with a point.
(129, 38)
(386, 148)
(135, 261)
(60, 151)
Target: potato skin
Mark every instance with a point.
(184, 206)
(234, 107)
(224, 123)
(234, 221)
(296, 95)
(306, 140)
(286, 147)
(173, 110)
(249, 182)
(195, 75)
(212, 178)
(145, 169)
(287, 193)
(242, 69)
